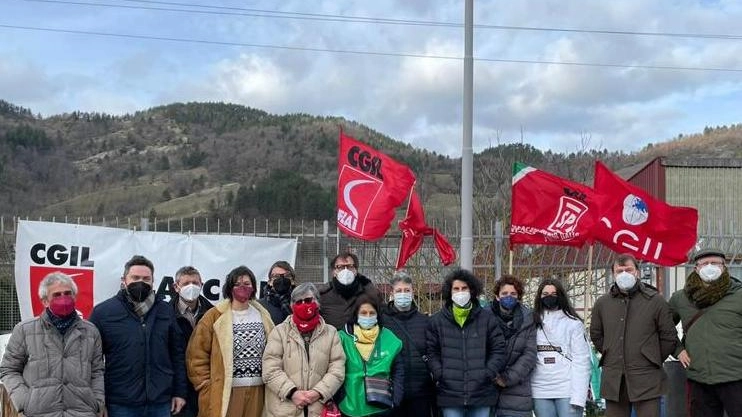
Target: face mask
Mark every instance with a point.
(242, 293)
(625, 281)
(282, 285)
(551, 302)
(190, 292)
(305, 311)
(346, 277)
(508, 302)
(62, 306)
(709, 273)
(402, 300)
(139, 291)
(461, 298)
(367, 322)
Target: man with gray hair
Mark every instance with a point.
(292, 383)
(57, 356)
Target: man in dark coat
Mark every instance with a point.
(143, 347)
(409, 325)
(632, 328)
(338, 298)
(189, 307)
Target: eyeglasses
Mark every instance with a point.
(340, 267)
(307, 300)
(714, 263)
(61, 293)
(286, 275)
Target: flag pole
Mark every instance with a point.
(510, 262)
(467, 156)
(589, 285)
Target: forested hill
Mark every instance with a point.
(225, 159)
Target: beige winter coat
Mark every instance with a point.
(209, 357)
(287, 366)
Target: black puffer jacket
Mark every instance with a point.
(515, 398)
(337, 301)
(465, 360)
(410, 327)
(278, 305)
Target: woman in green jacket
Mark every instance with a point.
(371, 350)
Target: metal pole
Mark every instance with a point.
(498, 249)
(467, 157)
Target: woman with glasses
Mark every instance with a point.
(303, 363)
(560, 380)
(225, 353)
(276, 296)
(371, 350)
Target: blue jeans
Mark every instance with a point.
(465, 411)
(147, 410)
(555, 407)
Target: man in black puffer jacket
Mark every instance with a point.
(409, 325)
(517, 325)
(465, 348)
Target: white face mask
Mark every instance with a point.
(346, 276)
(625, 280)
(709, 273)
(190, 292)
(402, 300)
(461, 298)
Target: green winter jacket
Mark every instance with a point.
(714, 341)
(386, 349)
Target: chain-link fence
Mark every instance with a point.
(584, 271)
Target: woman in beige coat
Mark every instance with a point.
(303, 363)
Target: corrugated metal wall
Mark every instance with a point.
(715, 192)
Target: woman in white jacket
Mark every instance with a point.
(560, 380)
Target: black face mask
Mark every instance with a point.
(138, 291)
(551, 302)
(282, 285)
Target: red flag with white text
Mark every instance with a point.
(550, 210)
(634, 222)
(371, 185)
(414, 229)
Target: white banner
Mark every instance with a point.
(95, 257)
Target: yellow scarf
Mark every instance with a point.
(365, 340)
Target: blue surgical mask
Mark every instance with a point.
(367, 322)
(403, 300)
(508, 302)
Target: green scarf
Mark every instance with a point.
(461, 313)
(704, 294)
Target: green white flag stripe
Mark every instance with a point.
(520, 170)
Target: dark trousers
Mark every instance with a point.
(711, 400)
(622, 407)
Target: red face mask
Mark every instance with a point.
(62, 306)
(306, 316)
(242, 293)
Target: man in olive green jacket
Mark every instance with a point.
(632, 328)
(710, 308)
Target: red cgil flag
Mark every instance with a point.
(634, 222)
(371, 186)
(414, 229)
(550, 210)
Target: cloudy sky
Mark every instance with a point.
(648, 71)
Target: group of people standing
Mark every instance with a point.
(339, 348)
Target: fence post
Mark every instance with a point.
(498, 249)
(325, 261)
